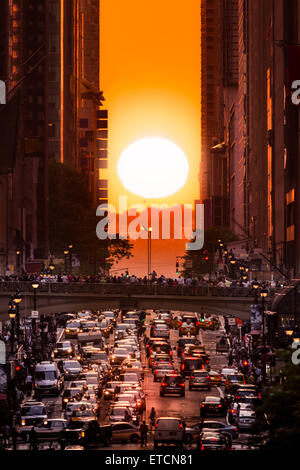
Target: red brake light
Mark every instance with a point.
(182, 385)
(171, 352)
(164, 384)
(192, 376)
(219, 406)
(238, 397)
(202, 447)
(202, 404)
(156, 371)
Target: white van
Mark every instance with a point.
(47, 379)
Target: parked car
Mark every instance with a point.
(124, 432)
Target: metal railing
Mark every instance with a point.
(128, 289)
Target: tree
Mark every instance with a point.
(281, 406)
(72, 220)
(202, 260)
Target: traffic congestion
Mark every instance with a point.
(138, 379)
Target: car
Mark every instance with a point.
(71, 369)
(172, 384)
(79, 384)
(71, 393)
(199, 379)
(247, 390)
(227, 371)
(233, 410)
(158, 358)
(132, 377)
(63, 349)
(215, 426)
(246, 419)
(213, 405)
(124, 432)
(72, 329)
(126, 398)
(80, 416)
(222, 345)
(161, 347)
(190, 364)
(94, 355)
(50, 428)
(186, 340)
(233, 381)
(215, 377)
(109, 389)
(160, 370)
(168, 430)
(32, 413)
(118, 413)
(118, 356)
(212, 441)
(75, 405)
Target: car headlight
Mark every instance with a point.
(67, 330)
(23, 422)
(65, 400)
(82, 434)
(69, 350)
(45, 422)
(55, 350)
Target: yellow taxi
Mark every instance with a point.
(215, 377)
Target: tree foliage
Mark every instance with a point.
(211, 237)
(72, 219)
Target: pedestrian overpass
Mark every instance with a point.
(68, 297)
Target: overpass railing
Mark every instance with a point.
(128, 289)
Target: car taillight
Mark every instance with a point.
(182, 385)
(182, 366)
(236, 429)
(192, 376)
(259, 395)
(238, 397)
(219, 406)
(232, 411)
(180, 424)
(156, 425)
(156, 371)
(164, 384)
(171, 353)
(202, 447)
(208, 377)
(202, 405)
(197, 323)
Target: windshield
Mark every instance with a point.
(83, 413)
(73, 325)
(72, 364)
(64, 345)
(45, 375)
(118, 411)
(33, 410)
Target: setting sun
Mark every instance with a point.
(153, 167)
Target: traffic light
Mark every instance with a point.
(177, 266)
(245, 363)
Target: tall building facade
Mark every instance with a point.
(49, 53)
(213, 165)
(262, 140)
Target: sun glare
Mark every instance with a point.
(153, 168)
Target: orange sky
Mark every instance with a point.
(150, 76)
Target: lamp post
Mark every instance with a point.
(149, 230)
(12, 315)
(35, 286)
(263, 295)
(66, 252)
(18, 299)
(255, 286)
(70, 251)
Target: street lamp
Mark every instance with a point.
(66, 252)
(35, 286)
(255, 286)
(51, 266)
(18, 299)
(263, 294)
(12, 315)
(70, 250)
(149, 230)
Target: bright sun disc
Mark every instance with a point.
(153, 168)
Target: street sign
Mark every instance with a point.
(239, 321)
(231, 321)
(34, 314)
(189, 263)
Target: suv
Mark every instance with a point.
(168, 431)
(190, 364)
(199, 379)
(172, 383)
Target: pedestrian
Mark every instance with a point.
(143, 433)
(6, 434)
(28, 382)
(14, 437)
(32, 439)
(152, 416)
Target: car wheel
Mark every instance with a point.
(134, 438)
(183, 394)
(162, 394)
(190, 389)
